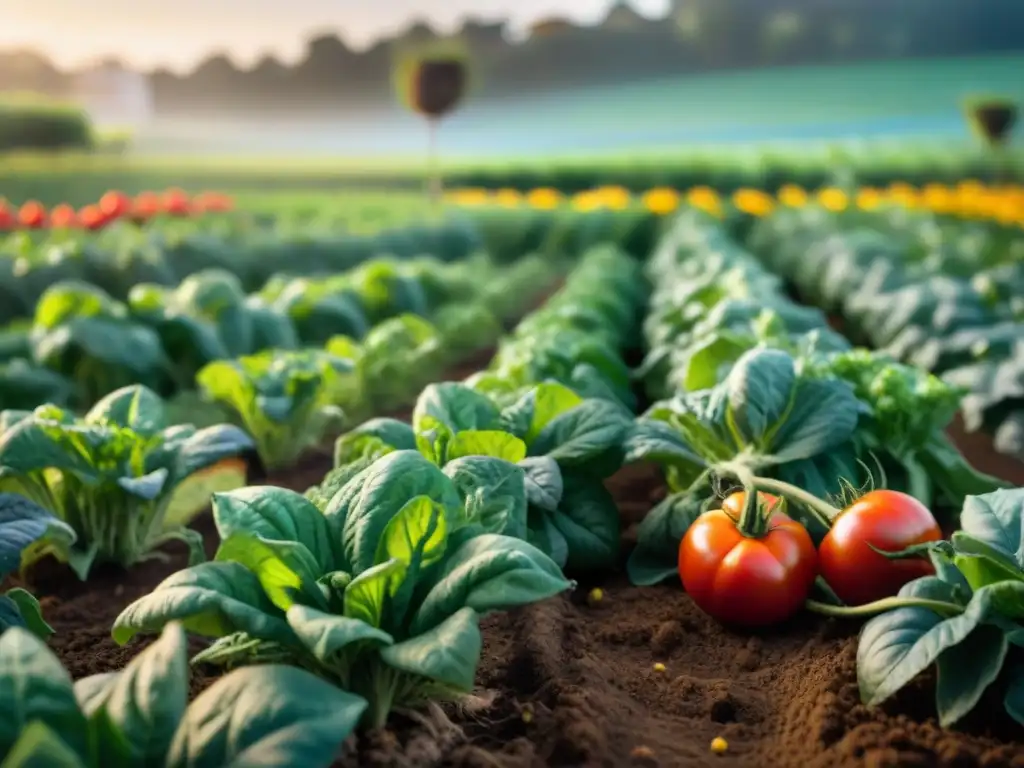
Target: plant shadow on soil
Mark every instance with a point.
(568, 684)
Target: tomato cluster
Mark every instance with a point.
(113, 206)
(764, 576)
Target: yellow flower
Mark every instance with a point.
(586, 201)
(833, 199)
(753, 201)
(661, 200)
(508, 197)
(792, 196)
(614, 197)
(706, 199)
(469, 196)
(938, 198)
(869, 198)
(544, 198)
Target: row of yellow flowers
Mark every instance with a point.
(968, 199)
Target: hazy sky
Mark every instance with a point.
(178, 33)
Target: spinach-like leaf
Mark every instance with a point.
(963, 620)
(380, 592)
(108, 480)
(267, 715)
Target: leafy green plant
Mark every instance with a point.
(284, 399)
(766, 416)
(22, 525)
(549, 452)
(85, 336)
(964, 620)
(381, 592)
(261, 716)
(396, 359)
(110, 476)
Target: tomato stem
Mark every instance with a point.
(753, 522)
(821, 510)
(881, 606)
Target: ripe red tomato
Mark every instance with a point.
(92, 217)
(176, 202)
(115, 204)
(745, 580)
(145, 206)
(7, 219)
(32, 215)
(63, 217)
(213, 202)
(888, 520)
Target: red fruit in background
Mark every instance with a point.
(32, 215)
(145, 206)
(176, 202)
(92, 217)
(63, 216)
(115, 204)
(7, 218)
(213, 202)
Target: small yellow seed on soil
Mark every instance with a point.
(659, 667)
(642, 753)
(595, 596)
(719, 745)
(527, 714)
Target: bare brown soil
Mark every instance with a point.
(570, 683)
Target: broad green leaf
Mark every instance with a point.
(266, 716)
(1014, 699)
(35, 687)
(29, 613)
(209, 446)
(23, 523)
(326, 636)
(286, 570)
(494, 443)
(39, 746)
(542, 533)
(589, 521)
(760, 389)
(367, 595)
(278, 514)
(652, 440)
(489, 573)
(577, 437)
(212, 599)
(493, 491)
(528, 416)
(374, 437)
(361, 511)
(543, 482)
(966, 670)
(416, 536)
(147, 487)
(33, 444)
(447, 653)
(137, 711)
(136, 407)
(445, 409)
(997, 519)
(656, 555)
(897, 646)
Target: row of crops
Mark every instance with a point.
(362, 597)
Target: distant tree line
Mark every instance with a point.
(696, 36)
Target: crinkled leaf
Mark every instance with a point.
(544, 485)
(493, 491)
